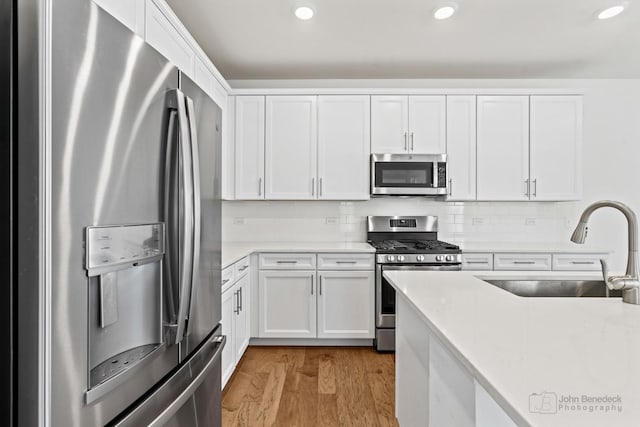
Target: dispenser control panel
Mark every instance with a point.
(120, 246)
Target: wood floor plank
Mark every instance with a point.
(311, 386)
(328, 410)
(326, 375)
(270, 403)
(356, 406)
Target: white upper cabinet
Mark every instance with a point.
(343, 147)
(408, 124)
(389, 124)
(290, 149)
(128, 12)
(249, 147)
(427, 122)
(503, 148)
(461, 147)
(166, 39)
(556, 147)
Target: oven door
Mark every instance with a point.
(408, 174)
(386, 295)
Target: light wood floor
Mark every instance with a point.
(311, 386)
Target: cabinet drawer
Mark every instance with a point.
(577, 262)
(345, 261)
(228, 277)
(287, 261)
(242, 267)
(522, 261)
(477, 261)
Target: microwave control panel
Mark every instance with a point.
(442, 175)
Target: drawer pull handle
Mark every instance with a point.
(477, 262)
(225, 281)
(346, 262)
(583, 262)
(243, 268)
(287, 262)
(524, 262)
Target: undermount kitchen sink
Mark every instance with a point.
(555, 288)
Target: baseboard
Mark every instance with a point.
(311, 342)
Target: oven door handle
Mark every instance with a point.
(448, 267)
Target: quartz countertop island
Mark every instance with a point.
(527, 351)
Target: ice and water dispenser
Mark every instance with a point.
(125, 319)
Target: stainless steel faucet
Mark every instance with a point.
(629, 283)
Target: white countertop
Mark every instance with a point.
(532, 247)
(516, 346)
(232, 252)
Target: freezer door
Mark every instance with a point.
(189, 397)
(205, 309)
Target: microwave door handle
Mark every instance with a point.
(197, 214)
(435, 174)
(184, 222)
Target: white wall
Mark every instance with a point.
(611, 171)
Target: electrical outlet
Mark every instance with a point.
(529, 221)
(238, 220)
(332, 220)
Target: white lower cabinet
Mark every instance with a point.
(228, 352)
(345, 304)
(310, 303)
(287, 304)
(235, 321)
(433, 388)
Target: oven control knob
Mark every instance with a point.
(439, 258)
(400, 258)
(420, 258)
(391, 258)
(449, 257)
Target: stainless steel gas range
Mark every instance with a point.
(404, 243)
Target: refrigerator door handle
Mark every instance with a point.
(184, 222)
(197, 216)
(171, 410)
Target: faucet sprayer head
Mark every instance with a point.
(580, 233)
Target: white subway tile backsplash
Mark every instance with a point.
(459, 222)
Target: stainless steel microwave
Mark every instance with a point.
(409, 174)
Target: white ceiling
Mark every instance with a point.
(261, 39)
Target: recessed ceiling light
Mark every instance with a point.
(304, 12)
(612, 11)
(444, 12)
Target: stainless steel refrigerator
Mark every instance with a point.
(134, 232)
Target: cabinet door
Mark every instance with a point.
(343, 147)
(389, 124)
(241, 333)
(427, 122)
(345, 304)
(461, 147)
(503, 148)
(556, 147)
(249, 136)
(290, 148)
(229, 302)
(287, 304)
(166, 39)
(128, 12)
